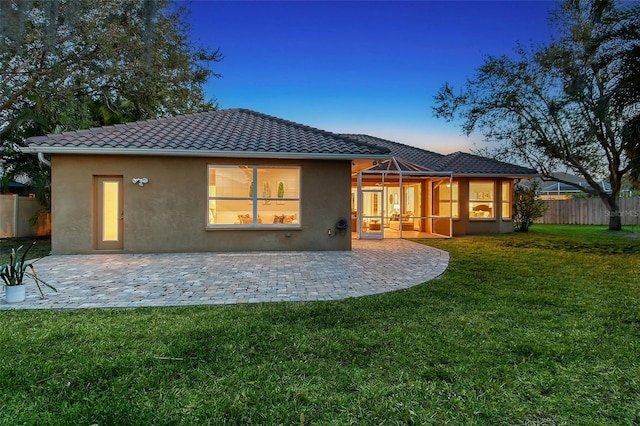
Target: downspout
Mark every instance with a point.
(43, 160)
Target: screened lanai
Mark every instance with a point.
(398, 199)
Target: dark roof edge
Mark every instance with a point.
(200, 153)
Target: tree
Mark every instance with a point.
(73, 64)
(527, 206)
(565, 105)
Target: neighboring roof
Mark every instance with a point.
(567, 177)
(558, 187)
(458, 163)
(551, 186)
(230, 132)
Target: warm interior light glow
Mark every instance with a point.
(110, 205)
(242, 195)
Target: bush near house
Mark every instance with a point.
(536, 328)
(527, 206)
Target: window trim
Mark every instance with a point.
(255, 200)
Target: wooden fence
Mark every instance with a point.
(590, 211)
(15, 215)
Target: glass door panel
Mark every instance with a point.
(372, 208)
(108, 222)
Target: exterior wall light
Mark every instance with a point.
(140, 181)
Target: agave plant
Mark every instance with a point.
(13, 273)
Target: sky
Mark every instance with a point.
(370, 67)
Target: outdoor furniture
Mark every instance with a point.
(404, 225)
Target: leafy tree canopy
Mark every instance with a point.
(73, 64)
(570, 105)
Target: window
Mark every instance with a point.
(253, 196)
(506, 200)
(481, 198)
(445, 199)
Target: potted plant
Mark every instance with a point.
(280, 193)
(13, 274)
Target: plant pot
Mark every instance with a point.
(15, 293)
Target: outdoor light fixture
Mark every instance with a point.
(140, 181)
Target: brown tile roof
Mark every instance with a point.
(421, 157)
(241, 132)
(458, 163)
(223, 132)
(463, 163)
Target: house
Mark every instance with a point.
(238, 180)
(552, 189)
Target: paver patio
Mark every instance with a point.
(177, 279)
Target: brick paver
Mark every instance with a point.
(180, 279)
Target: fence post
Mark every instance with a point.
(15, 215)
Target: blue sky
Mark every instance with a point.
(359, 67)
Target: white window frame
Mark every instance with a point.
(255, 199)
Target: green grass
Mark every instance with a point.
(41, 249)
(524, 329)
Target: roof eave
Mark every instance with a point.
(491, 175)
(199, 153)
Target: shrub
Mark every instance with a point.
(527, 206)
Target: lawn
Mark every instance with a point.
(524, 329)
(41, 249)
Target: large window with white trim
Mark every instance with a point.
(246, 196)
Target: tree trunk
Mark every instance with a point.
(615, 222)
(615, 216)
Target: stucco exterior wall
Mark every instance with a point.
(169, 214)
(472, 226)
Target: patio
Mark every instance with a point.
(181, 279)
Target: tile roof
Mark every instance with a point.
(459, 163)
(463, 163)
(223, 132)
(418, 156)
(241, 132)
